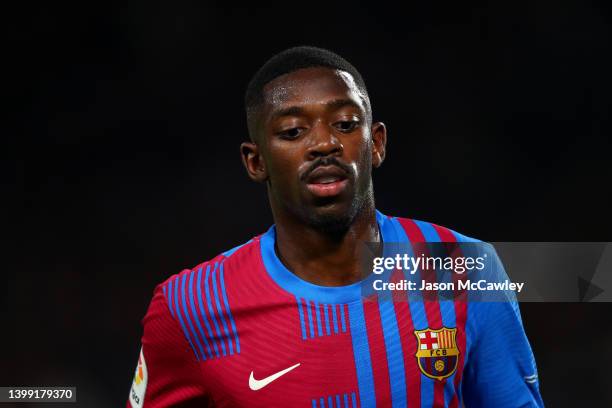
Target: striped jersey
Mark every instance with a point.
(241, 330)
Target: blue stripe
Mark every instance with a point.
(170, 305)
(314, 404)
(188, 318)
(229, 312)
(178, 313)
(301, 312)
(202, 313)
(210, 309)
(309, 318)
(346, 401)
(195, 314)
(327, 330)
(451, 380)
(361, 352)
(334, 318)
(395, 356)
(428, 231)
(322, 403)
(337, 401)
(330, 404)
(447, 307)
(354, 400)
(221, 314)
(419, 317)
(342, 319)
(318, 318)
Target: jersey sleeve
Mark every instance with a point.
(501, 370)
(167, 374)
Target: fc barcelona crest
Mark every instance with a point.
(437, 352)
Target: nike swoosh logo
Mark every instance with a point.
(256, 385)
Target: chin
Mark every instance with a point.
(333, 217)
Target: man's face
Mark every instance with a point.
(318, 147)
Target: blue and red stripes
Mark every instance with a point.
(461, 306)
(384, 344)
(421, 231)
(346, 400)
(318, 319)
(229, 311)
(361, 353)
(378, 355)
(428, 312)
(198, 300)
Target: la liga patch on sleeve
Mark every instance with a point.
(139, 385)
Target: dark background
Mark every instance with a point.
(122, 164)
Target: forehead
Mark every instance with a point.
(310, 86)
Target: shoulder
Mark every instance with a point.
(195, 302)
(185, 292)
(245, 252)
(425, 231)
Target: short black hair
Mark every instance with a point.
(290, 60)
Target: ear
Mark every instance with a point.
(379, 143)
(253, 162)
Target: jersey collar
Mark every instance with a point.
(300, 288)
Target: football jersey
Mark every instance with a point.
(241, 330)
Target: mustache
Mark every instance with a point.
(326, 161)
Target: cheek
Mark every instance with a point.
(362, 154)
(282, 163)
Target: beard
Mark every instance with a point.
(337, 221)
(332, 216)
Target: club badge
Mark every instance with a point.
(437, 352)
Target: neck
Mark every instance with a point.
(321, 257)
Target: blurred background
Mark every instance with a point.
(122, 160)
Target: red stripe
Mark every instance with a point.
(212, 316)
(409, 347)
(348, 330)
(460, 310)
(315, 317)
(346, 318)
(223, 315)
(194, 318)
(338, 317)
(408, 343)
(322, 317)
(432, 306)
(378, 353)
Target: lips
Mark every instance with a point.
(327, 181)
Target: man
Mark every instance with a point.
(281, 321)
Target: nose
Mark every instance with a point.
(323, 142)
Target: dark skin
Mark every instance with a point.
(315, 147)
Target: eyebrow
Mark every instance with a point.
(331, 105)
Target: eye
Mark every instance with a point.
(347, 125)
(290, 134)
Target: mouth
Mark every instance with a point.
(327, 181)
